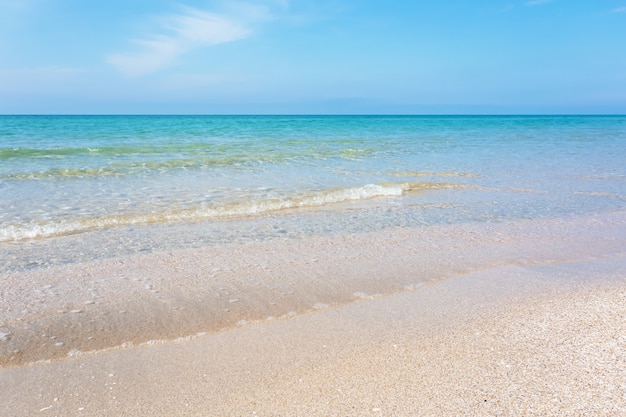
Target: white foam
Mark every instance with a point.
(75, 353)
(31, 230)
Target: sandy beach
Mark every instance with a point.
(518, 318)
(215, 208)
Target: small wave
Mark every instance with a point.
(118, 161)
(125, 168)
(421, 174)
(14, 153)
(14, 232)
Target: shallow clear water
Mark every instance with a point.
(85, 187)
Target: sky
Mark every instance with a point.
(313, 57)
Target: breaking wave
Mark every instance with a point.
(311, 199)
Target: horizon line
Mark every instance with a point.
(316, 114)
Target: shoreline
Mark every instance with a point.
(514, 318)
(71, 310)
(531, 340)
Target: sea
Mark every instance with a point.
(82, 188)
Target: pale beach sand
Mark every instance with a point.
(522, 318)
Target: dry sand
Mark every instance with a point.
(538, 330)
(511, 341)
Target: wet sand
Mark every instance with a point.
(525, 318)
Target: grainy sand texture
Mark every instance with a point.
(513, 319)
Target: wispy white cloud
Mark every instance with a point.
(619, 10)
(185, 32)
(536, 2)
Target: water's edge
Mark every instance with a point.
(72, 309)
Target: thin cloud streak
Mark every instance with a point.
(619, 10)
(188, 31)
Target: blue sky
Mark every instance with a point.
(312, 56)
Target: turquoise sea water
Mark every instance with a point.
(76, 188)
